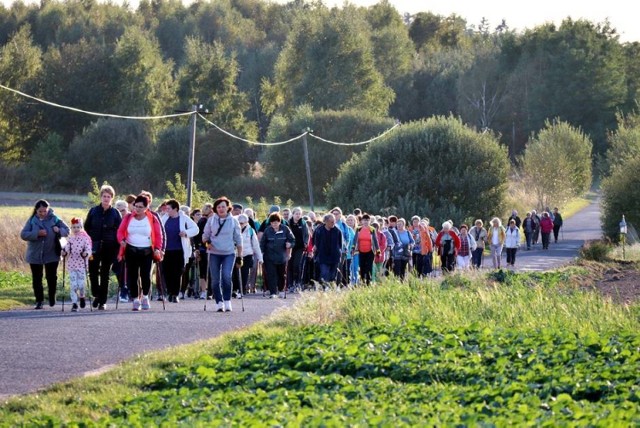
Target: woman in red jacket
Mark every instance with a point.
(141, 242)
(546, 227)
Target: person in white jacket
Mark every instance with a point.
(467, 247)
(179, 228)
(251, 257)
(512, 242)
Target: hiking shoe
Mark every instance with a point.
(181, 295)
(83, 303)
(227, 306)
(102, 307)
(145, 303)
(74, 307)
(220, 307)
(203, 295)
(176, 299)
(38, 305)
(95, 303)
(124, 299)
(136, 304)
(273, 296)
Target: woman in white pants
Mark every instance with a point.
(467, 246)
(496, 236)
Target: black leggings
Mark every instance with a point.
(172, 269)
(51, 271)
(138, 262)
(366, 266)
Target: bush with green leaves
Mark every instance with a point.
(436, 167)
(621, 196)
(557, 163)
(285, 164)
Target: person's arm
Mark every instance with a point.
(29, 233)
(191, 228)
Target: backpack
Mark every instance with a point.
(447, 245)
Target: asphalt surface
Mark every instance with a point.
(581, 227)
(40, 348)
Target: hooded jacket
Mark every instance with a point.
(41, 249)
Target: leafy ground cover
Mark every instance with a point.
(15, 290)
(529, 349)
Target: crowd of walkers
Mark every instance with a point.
(221, 251)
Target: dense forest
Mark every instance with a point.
(267, 71)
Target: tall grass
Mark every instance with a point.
(12, 247)
(555, 300)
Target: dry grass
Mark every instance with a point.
(12, 247)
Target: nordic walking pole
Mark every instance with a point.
(207, 281)
(86, 277)
(241, 287)
(64, 271)
(161, 285)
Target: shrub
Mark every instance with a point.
(557, 164)
(621, 195)
(436, 167)
(285, 164)
(597, 251)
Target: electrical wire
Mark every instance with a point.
(92, 113)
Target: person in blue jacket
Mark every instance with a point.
(42, 232)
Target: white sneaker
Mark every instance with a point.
(124, 299)
(239, 295)
(281, 295)
(227, 306)
(203, 295)
(145, 303)
(220, 307)
(136, 304)
(181, 295)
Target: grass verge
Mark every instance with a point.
(15, 290)
(491, 350)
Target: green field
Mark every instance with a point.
(498, 349)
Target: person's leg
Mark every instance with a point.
(272, 278)
(132, 262)
(36, 282)
(556, 231)
(495, 256)
(146, 261)
(108, 256)
(527, 238)
(76, 278)
(247, 267)
(51, 272)
(228, 262)
(427, 264)
(215, 268)
(366, 266)
(282, 271)
(513, 256)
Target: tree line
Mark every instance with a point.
(266, 71)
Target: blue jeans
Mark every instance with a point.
(328, 272)
(221, 269)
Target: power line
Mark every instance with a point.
(256, 143)
(359, 143)
(92, 113)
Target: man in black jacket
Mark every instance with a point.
(102, 226)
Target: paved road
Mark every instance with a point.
(40, 348)
(43, 347)
(583, 226)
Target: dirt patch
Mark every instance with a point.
(621, 282)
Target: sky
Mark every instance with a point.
(526, 14)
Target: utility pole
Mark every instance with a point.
(192, 153)
(307, 166)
